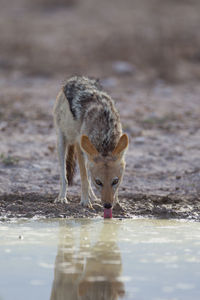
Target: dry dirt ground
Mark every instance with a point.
(44, 45)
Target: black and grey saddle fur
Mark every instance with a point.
(88, 101)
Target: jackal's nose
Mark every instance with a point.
(107, 205)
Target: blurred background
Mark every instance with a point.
(147, 54)
(147, 39)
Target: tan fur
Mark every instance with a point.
(76, 132)
(64, 120)
(88, 147)
(70, 164)
(107, 168)
(121, 146)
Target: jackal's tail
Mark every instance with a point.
(70, 164)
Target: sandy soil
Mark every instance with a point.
(162, 121)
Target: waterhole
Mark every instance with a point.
(100, 259)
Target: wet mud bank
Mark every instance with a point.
(152, 206)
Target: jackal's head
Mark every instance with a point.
(106, 171)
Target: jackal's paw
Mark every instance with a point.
(60, 199)
(86, 203)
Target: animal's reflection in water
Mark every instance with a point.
(87, 269)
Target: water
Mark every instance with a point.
(100, 259)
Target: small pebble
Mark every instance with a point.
(109, 82)
(123, 67)
(139, 140)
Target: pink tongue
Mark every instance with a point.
(107, 213)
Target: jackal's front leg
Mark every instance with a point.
(87, 193)
(62, 148)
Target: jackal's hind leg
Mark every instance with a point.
(62, 149)
(87, 194)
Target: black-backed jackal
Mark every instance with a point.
(88, 125)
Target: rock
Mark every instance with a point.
(139, 140)
(109, 82)
(3, 125)
(123, 67)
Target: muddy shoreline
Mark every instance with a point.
(153, 206)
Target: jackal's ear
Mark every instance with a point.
(88, 147)
(121, 146)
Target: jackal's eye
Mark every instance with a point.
(98, 182)
(115, 181)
